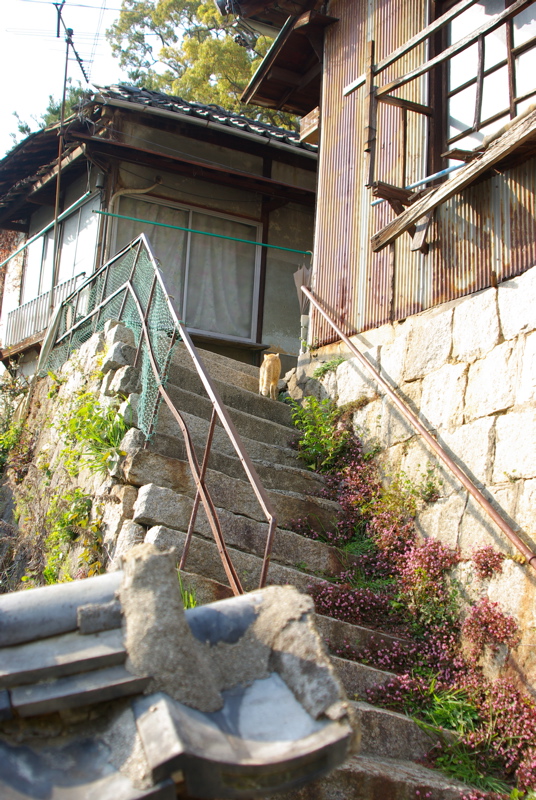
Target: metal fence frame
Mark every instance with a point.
(219, 412)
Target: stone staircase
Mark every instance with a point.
(389, 744)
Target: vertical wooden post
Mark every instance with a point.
(479, 83)
(511, 67)
(370, 114)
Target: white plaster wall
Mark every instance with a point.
(468, 369)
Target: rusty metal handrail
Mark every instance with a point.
(429, 439)
(219, 410)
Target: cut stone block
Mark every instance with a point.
(130, 535)
(515, 450)
(471, 341)
(442, 396)
(119, 355)
(119, 333)
(429, 344)
(517, 301)
(161, 506)
(76, 690)
(126, 381)
(57, 656)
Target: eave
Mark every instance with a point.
(198, 169)
(289, 77)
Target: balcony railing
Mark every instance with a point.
(32, 317)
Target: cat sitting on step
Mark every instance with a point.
(269, 375)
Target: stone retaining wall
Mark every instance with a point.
(468, 368)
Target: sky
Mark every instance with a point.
(32, 59)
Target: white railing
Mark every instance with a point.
(33, 317)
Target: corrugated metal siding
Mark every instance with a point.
(356, 284)
(490, 227)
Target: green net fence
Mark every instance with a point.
(128, 289)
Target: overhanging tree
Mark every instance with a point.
(186, 48)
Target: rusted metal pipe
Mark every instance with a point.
(406, 412)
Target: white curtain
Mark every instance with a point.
(221, 277)
(168, 245)
(79, 240)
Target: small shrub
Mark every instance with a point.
(487, 626)
(327, 366)
(93, 433)
(487, 561)
(322, 442)
(430, 485)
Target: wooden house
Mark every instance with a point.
(226, 202)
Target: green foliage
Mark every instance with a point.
(430, 485)
(472, 767)
(196, 45)
(322, 442)
(189, 599)
(9, 438)
(93, 433)
(12, 389)
(68, 519)
(327, 366)
(52, 113)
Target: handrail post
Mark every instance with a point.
(202, 474)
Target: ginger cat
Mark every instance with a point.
(269, 375)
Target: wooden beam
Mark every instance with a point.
(463, 44)
(370, 115)
(199, 169)
(284, 75)
(518, 134)
(408, 105)
(306, 79)
(22, 227)
(314, 18)
(434, 26)
(461, 155)
(389, 192)
(421, 230)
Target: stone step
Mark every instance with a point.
(57, 656)
(272, 475)
(165, 441)
(74, 691)
(387, 734)
(220, 367)
(357, 678)
(339, 634)
(370, 778)
(247, 425)
(232, 396)
(203, 559)
(142, 467)
(291, 549)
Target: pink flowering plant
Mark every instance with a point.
(402, 585)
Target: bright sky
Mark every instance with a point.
(32, 59)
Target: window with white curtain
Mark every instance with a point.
(78, 240)
(213, 279)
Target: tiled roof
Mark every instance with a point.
(210, 113)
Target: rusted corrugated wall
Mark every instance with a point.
(489, 228)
